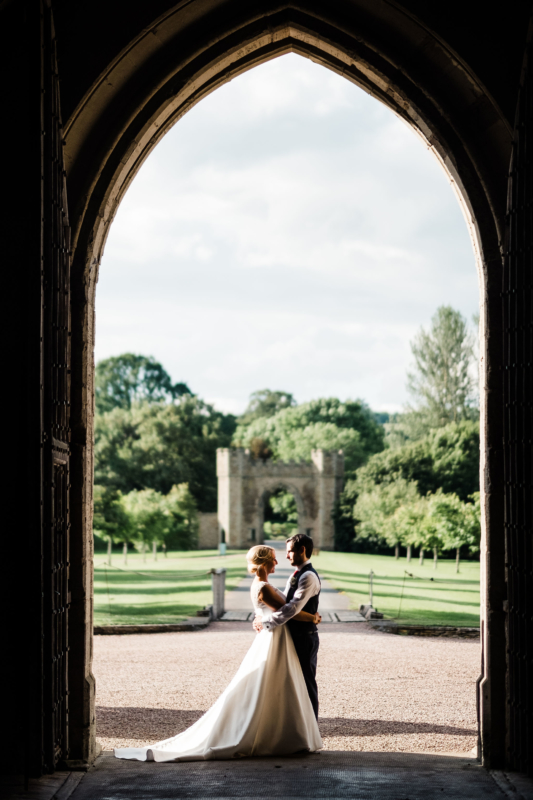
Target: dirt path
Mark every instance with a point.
(378, 692)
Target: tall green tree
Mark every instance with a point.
(181, 518)
(266, 403)
(148, 518)
(460, 524)
(157, 445)
(408, 522)
(326, 423)
(111, 520)
(343, 519)
(442, 381)
(375, 511)
(123, 380)
(447, 458)
(298, 444)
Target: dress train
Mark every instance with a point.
(264, 711)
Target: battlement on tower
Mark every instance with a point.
(239, 463)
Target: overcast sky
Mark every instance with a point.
(291, 233)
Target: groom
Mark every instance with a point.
(302, 593)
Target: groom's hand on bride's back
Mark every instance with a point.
(257, 624)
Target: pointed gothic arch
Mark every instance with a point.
(457, 89)
(176, 61)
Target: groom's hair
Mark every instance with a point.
(302, 540)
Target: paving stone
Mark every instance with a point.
(236, 616)
(349, 616)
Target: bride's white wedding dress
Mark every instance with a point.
(265, 711)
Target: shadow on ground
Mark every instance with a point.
(155, 724)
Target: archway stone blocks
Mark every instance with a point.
(245, 483)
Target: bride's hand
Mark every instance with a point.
(318, 619)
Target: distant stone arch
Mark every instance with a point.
(245, 483)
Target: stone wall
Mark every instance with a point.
(208, 536)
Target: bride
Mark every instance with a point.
(266, 710)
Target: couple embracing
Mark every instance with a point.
(271, 705)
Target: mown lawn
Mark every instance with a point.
(163, 591)
(430, 597)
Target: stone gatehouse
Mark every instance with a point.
(245, 485)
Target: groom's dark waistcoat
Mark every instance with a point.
(311, 606)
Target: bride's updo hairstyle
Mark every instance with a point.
(259, 555)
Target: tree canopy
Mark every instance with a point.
(157, 445)
(375, 510)
(325, 423)
(266, 403)
(144, 517)
(123, 380)
(395, 513)
(447, 458)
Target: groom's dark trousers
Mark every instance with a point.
(305, 636)
(306, 646)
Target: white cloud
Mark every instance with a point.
(288, 232)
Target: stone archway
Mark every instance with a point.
(179, 58)
(456, 84)
(244, 483)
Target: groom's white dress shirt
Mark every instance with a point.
(308, 586)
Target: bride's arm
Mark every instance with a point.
(271, 598)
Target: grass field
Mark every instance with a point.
(163, 591)
(430, 597)
(173, 588)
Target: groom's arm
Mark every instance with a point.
(308, 586)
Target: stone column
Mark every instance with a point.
(230, 473)
(330, 469)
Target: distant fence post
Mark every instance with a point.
(218, 577)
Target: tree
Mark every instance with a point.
(447, 523)
(455, 455)
(375, 512)
(148, 518)
(182, 518)
(327, 423)
(111, 521)
(122, 380)
(343, 519)
(156, 446)
(461, 524)
(442, 381)
(447, 458)
(297, 444)
(408, 521)
(266, 403)
(429, 536)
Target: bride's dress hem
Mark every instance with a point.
(120, 752)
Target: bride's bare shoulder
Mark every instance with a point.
(270, 596)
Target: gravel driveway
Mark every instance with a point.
(378, 692)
